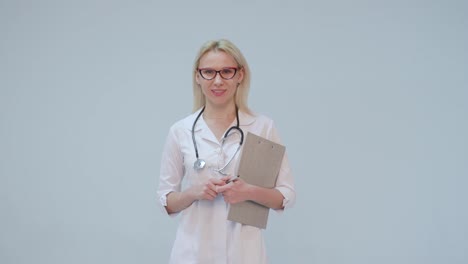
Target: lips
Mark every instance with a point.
(218, 92)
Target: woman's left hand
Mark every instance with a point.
(235, 192)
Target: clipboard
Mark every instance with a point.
(259, 165)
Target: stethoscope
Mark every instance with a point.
(200, 163)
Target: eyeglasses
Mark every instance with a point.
(225, 73)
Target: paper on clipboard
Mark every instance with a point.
(259, 165)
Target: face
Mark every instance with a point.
(219, 91)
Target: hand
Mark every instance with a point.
(208, 189)
(235, 191)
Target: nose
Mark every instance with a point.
(217, 79)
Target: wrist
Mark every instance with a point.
(191, 194)
(251, 192)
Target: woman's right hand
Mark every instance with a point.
(208, 189)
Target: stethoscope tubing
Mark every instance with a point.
(199, 163)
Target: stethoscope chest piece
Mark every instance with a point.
(199, 164)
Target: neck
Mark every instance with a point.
(226, 112)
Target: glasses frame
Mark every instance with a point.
(218, 72)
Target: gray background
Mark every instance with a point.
(370, 98)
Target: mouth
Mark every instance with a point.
(218, 92)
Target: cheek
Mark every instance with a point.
(203, 86)
(205, 89)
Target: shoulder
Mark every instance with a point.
(255, 118)
(185, 123)
(258, 123)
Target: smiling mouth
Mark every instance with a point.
(218, 92)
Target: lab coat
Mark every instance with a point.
(204, 235)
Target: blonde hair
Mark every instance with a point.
(242, 92)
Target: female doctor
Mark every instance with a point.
(199, 161)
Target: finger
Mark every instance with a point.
(210, 194)
(213, 193)
(217, 181)
(209, 190)
(224, 188)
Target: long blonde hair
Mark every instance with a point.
(242, 93)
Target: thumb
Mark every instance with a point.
(224, 188)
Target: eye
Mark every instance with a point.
(227, 71)
(208, 71)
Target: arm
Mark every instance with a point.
(239, 191)
(271, 198)
(178, 201)
(171, 196)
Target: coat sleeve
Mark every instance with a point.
(171, 169)
(285, 181)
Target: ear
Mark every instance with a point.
(241, 75)
(197, 78)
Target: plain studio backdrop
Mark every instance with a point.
(370, 98)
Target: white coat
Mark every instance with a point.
(204, 235)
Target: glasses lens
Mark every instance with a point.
(208, 73)
(227, 73)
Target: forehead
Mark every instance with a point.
(217, 59)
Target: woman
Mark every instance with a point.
(199, 160)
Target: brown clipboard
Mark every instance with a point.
(259, 165)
